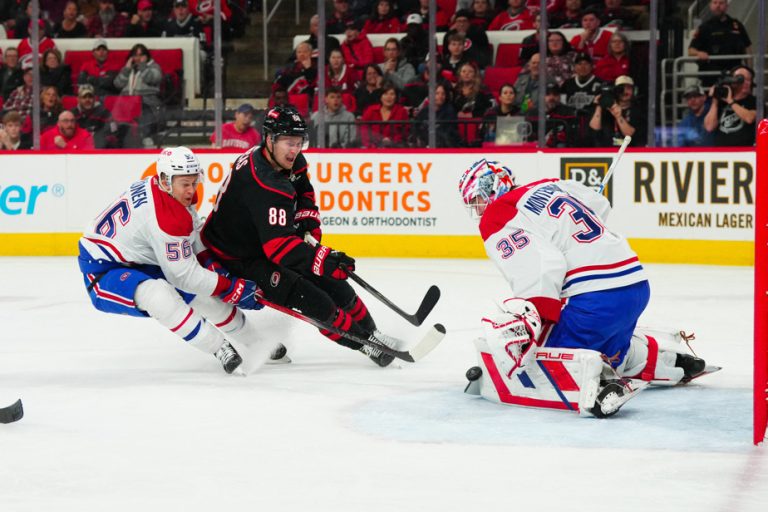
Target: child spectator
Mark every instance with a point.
(10, 133)
(239, 134)
(453, 57)
(476, 45)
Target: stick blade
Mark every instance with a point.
(427, 305)
(429, 342)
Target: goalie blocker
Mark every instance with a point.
(513, 369)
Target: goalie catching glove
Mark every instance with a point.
(328, 262)
(308, 221)
(525, 316)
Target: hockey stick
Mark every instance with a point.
(13, 412)
(423, 347)
(615, 163)
(425, 308)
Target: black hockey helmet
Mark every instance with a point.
(284, 120)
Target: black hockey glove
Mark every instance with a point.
(308, 221)
(332, 263)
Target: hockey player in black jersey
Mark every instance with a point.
(257, 227)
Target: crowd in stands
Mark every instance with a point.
(88, 93)
(377, 97)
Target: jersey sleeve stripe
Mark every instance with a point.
(277, 249)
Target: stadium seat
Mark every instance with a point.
(378, 54)
(495, 77)
(301, 102)
(507, 55)
(468, 131)
(68, 102)
(125, 109)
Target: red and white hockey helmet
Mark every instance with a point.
(179, 161)
(483, 183)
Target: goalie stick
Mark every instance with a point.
(13, 412)
(423, 347)
(425, 308)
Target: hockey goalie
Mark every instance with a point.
(569, 339)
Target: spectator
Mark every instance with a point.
(506, 107)
(516, 17)
(623, 116)
(337, 22)
(476, 45)
(20, 98)
(527, 85)
(10, 72)
(203, 10)
(416, 93)
(583, 87)
(25, 46)
(331, 43)
(382, 20)
(481, 14)
(93, 117)
(98, 72)
(70, 27)
(389, 121)
(299, 77)
(442, 18)
(357, 49)
(453, 57)
(719, 35)
(617, 17)
(559, 58)
(395, 68)
(530, 43)
(570, 17)
(560, 127)
(368, 93)
(340, 129)
(144, 23)
(469, 98)
(338, 75)
(593, 40)
(141, 76)
(552, 6)
(415, 44)
(446, 126)
(10, 133)
(279, 97)
(54, 72)
(690, 130)
(183, 24)
(732, 113)
(66, 135)
(50, 108)
(616, 63)
(109, 22)
(240, 133)
(22, 25)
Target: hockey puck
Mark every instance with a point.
(474, 373)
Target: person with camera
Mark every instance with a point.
(732, 113)
(617, 115)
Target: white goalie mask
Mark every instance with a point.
(179, 161)
(483, 183)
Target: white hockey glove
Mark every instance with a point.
(526, 313)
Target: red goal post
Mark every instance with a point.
(761, 284)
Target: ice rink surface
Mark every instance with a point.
(120, 416)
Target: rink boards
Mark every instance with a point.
(674, 206)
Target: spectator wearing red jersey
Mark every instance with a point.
(99, 72)
(382, 20)
(239, 134)
(616, 63)
(25, 48)
(392, 134)
(67, 135)
(516, 17)
(108, 22)
(357, 49)
(338, 74)
(593, 40)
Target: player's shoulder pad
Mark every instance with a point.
(504, 209)
(300, 165)
(172, 217)
(265, 176)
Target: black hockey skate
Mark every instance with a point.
(376, 355)
(228, 357)
(692, 367)
(612, 395)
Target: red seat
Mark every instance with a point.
(125, 109)
(169, 60)
(378, 54)
(469, 130)
(69, 102)
(301, 102)
(449, 6)
(495, 77)
(507, 54)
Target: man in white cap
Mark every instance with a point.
(617, 115)
(99, 72)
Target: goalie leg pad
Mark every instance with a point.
(650, 360)
(160, 300)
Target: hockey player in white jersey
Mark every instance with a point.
(139, 258)
(568, 340)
